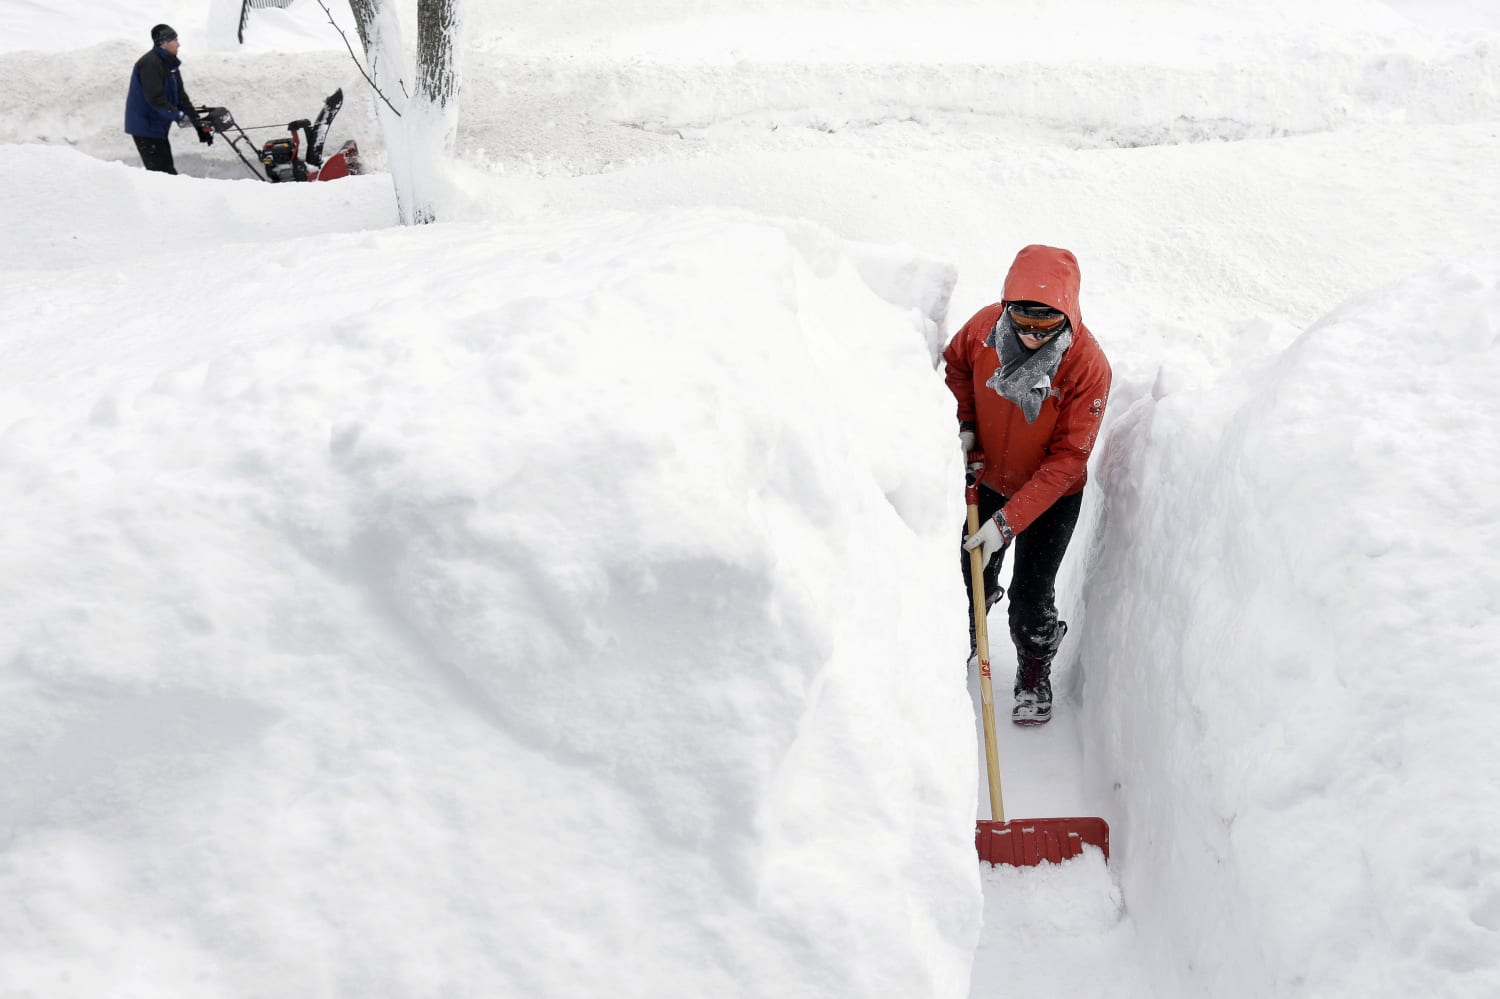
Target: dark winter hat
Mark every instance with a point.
(162, 34)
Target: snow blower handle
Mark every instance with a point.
(219, 119)
(982, 637)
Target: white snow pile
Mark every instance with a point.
(587, 87)
(504, 612)
(1144, 73)
(1290, 658)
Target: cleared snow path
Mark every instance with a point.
(1048, 930)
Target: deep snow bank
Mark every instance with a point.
(582, 88)
(540, 612)
(1290, 655)
(586, 86)
(55, 223)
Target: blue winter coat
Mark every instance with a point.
(157, 96)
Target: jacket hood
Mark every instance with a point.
(1049, 275)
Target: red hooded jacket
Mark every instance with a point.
(1032, 464)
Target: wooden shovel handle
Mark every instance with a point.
(982, 645)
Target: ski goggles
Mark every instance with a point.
(1036, 320)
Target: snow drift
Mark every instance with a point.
(1290, 609)
(555, 623)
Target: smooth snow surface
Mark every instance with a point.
(562, 600)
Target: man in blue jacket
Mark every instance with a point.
(158, 100)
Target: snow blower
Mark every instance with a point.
(295, 157)
(1019, 842)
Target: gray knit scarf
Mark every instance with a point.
(1025, 376)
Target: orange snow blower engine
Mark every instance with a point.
(1020, 842)
(294, 157)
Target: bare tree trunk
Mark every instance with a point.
(437, 27)
(364, 18)
(434, 125)
(420, 137)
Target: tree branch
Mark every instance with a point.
(364, 41)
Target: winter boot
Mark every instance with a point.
(1033, 692)
(1033, 689)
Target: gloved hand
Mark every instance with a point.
(205, 135)
(993, 536)
(966, 439)
(183, 121)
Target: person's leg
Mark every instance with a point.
(1039, 554)
(156, 154)
(1034, 626)
(989, 502)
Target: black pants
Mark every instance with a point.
(156, 154)
(1039, 552)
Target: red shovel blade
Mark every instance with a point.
(1028, 842)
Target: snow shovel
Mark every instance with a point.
(1019, 842)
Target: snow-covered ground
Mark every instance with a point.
(562, 599)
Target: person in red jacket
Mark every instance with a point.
(1031, 384)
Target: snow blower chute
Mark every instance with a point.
(294, 157)
(1020, 842)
